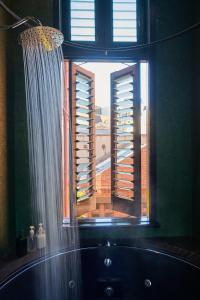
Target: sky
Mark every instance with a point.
(102, 73)
(103, 70)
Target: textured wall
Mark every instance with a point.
(14, 192)
(174, 96)
(196, 125)
(173, 99)
(3, 140)
(44, 11)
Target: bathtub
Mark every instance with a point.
(107, 272)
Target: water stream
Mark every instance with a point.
(44, 78)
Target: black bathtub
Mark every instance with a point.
(117, 273)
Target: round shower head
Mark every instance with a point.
(46, 37)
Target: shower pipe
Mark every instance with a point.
(50, 38)
(20, 21)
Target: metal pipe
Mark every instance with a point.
(8, 10)
(20, 21)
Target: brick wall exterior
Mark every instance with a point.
(103, 183)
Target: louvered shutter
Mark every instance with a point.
(83, 135)
(82, 20)
(124, 21)
(125, 143)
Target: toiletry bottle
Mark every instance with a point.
(41, 237)
(31, 241)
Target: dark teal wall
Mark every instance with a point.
(19, 182)
(174, 86)
(173, 116)
(196, 126)
(7, 204)
(173, 107)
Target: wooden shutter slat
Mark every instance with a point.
(83, 134)
(124, 197)
(125, 145)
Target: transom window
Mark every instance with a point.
(104, 22)
(124, 21)
(82, 20)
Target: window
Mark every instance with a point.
(110, 140)
(82, 20)
(110, 143)
(104, 23)
(124, 21)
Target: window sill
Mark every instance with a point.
(112, 223)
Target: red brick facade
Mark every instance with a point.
(103, 183)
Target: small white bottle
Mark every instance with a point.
(31, 240)
(41, 237)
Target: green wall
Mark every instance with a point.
(174, 87)
(17, 145)
(4, 205)
(196, 125)
(173, 97)
(7, 201)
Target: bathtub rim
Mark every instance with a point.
(19, 271)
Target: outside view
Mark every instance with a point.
(101, 205)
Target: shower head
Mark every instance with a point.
(46, 37)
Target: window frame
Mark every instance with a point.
(143, 54)
(103, 30)
(152, 203)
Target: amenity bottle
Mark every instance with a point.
(31, 240)
(41, 237)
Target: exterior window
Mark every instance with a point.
(82, 20)
(124, 21)
(106, 127)
(110, 157)
(104, 23)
